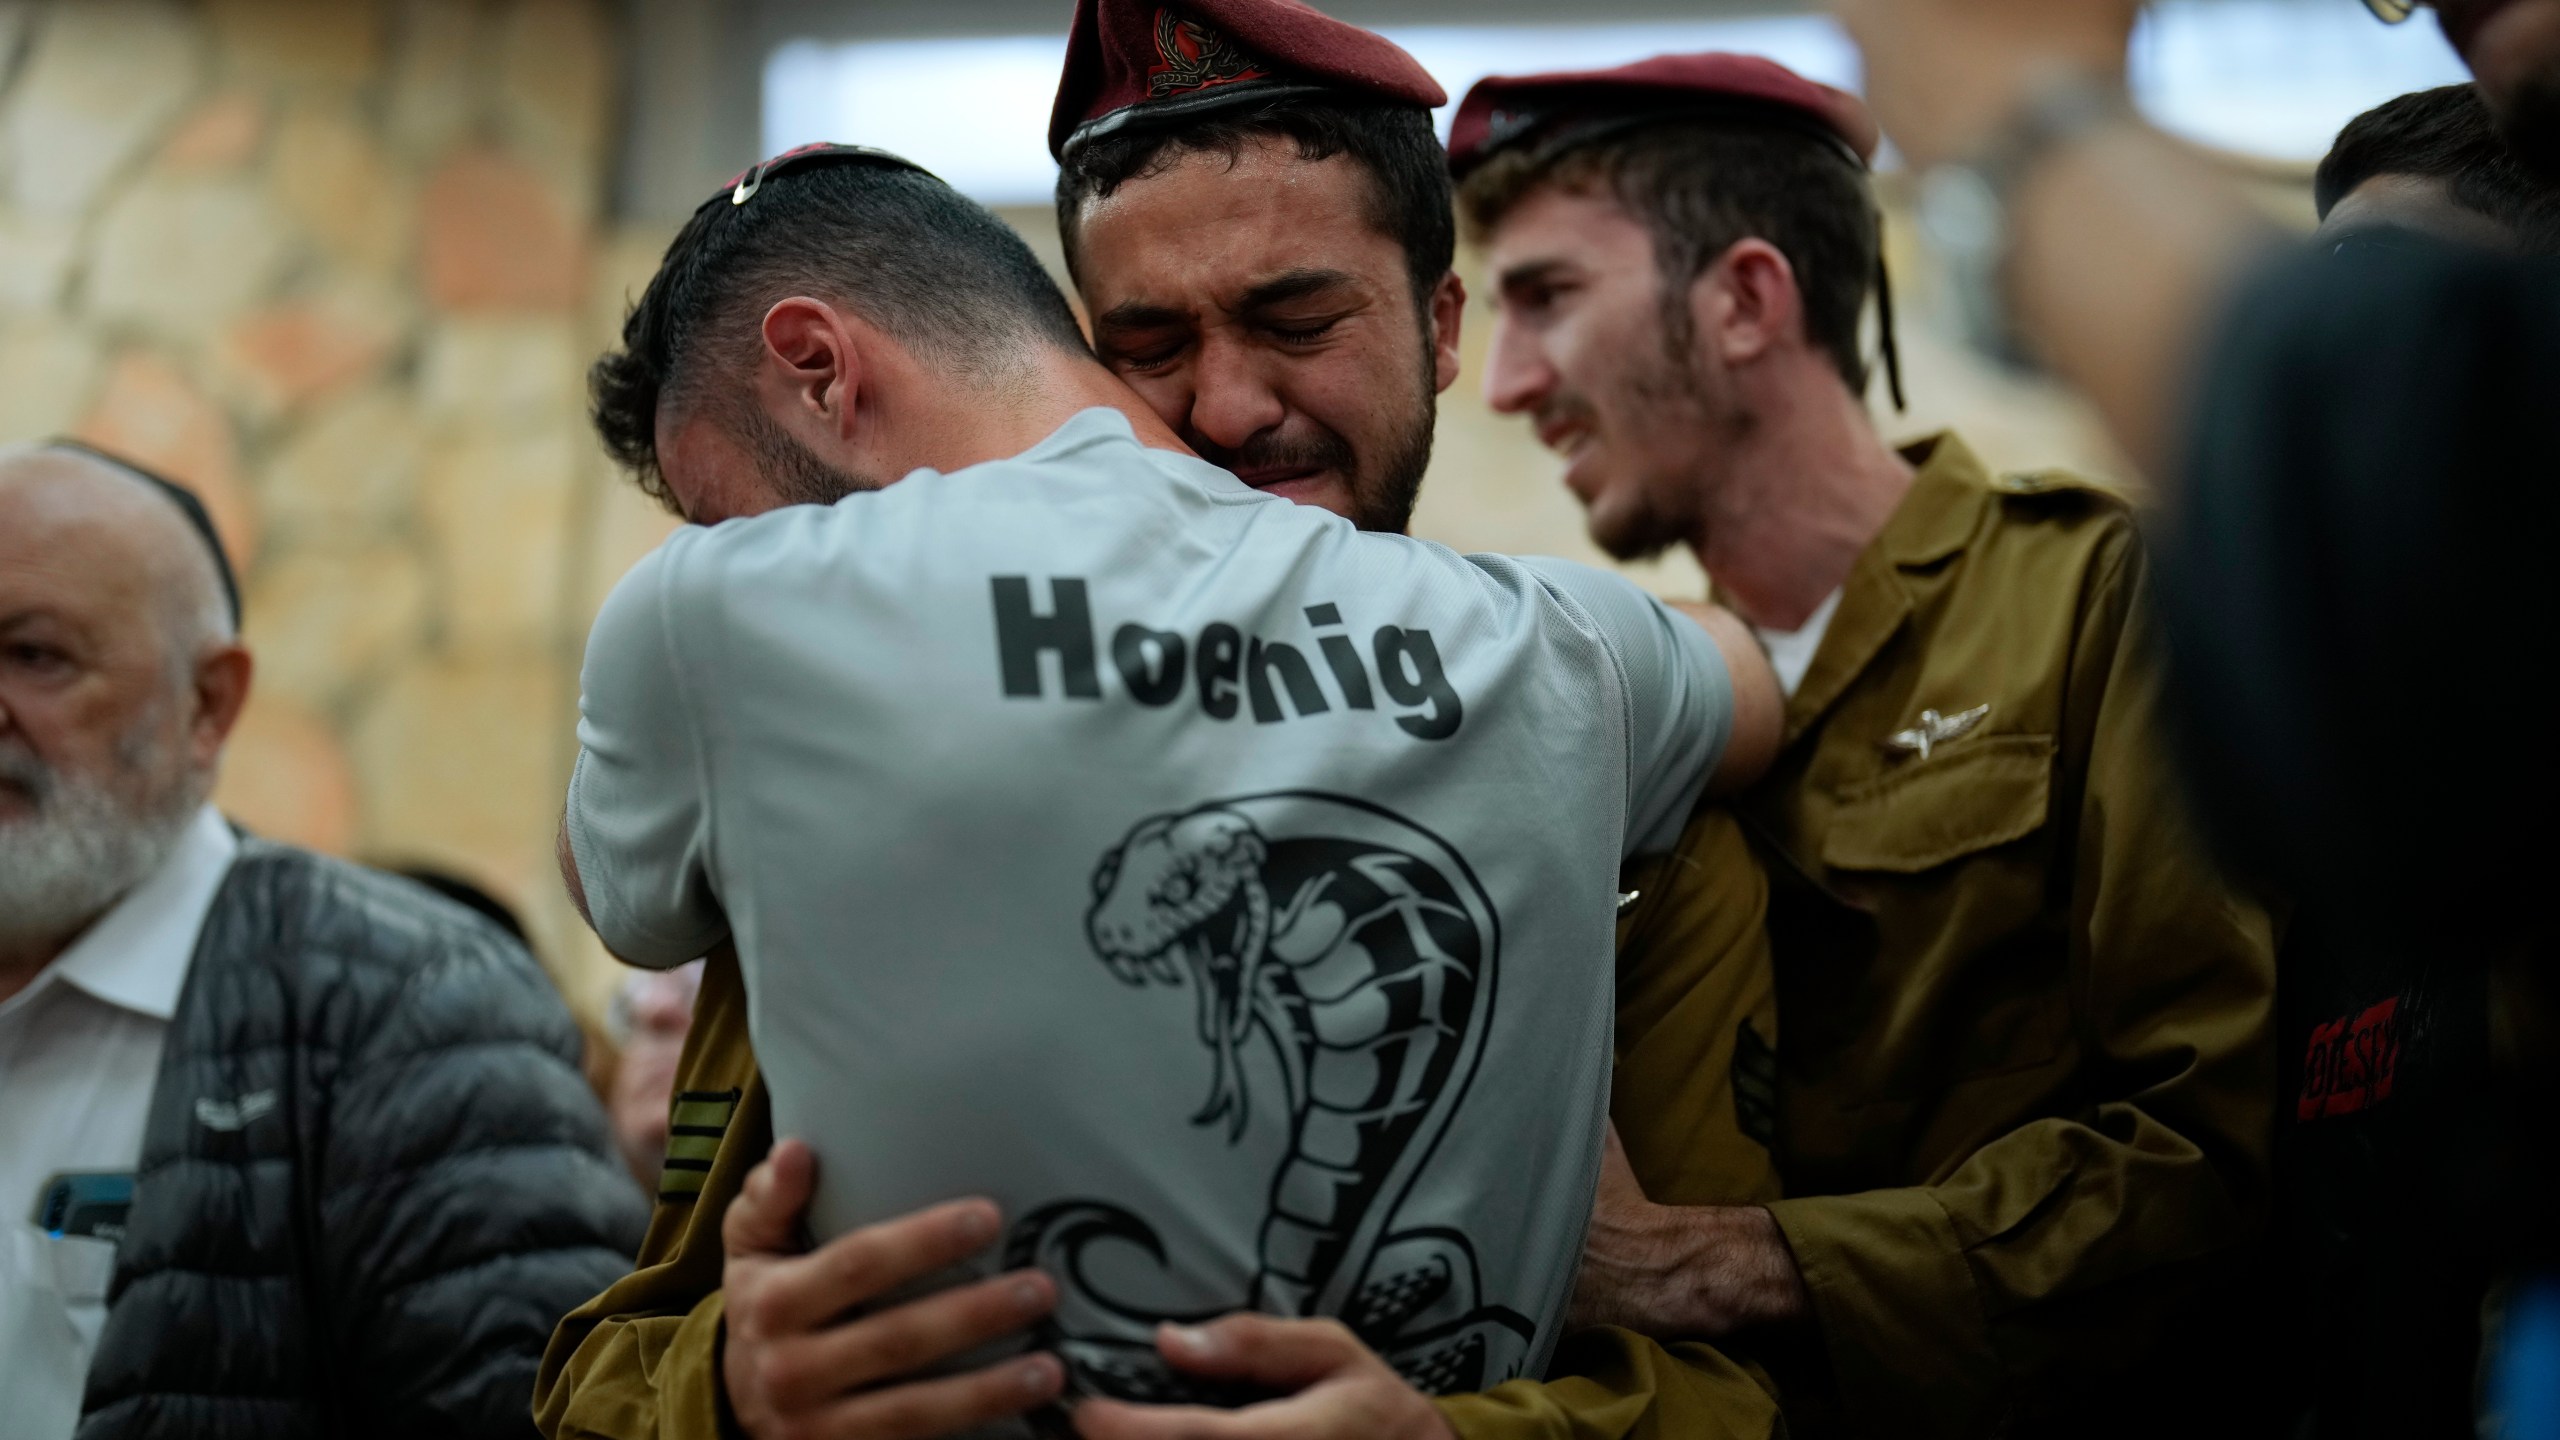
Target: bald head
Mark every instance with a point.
(122, 529)
(120, 679)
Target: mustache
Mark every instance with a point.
(1564, 409)
(1277, 450)
(20, 770)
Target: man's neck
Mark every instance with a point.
(1809, 486)
(1023, 407)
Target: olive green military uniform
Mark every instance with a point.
(2026, 1090)
(1695, 1012)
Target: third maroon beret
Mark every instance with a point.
(1506, 110)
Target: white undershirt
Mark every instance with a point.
(1791, 652)
(79, 1053)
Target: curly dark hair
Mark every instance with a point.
(1394, 142)
(909, 253)
(1703, 184)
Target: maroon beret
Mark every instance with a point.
(1137, 62)
(1505, 110)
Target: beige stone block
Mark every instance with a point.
(626, 259)
(494, 367)
(35, 260)
(148, 411)
(221, 134)
(179, 255)
(339, 184)
(555, 67)
(346, 472)
(105, 79)
(286, 776)
(495, 236)
(439, 74)
(280, 357)
(497, 510)
(460, 763)
(333, 45)
(47, 369)
(329, 618)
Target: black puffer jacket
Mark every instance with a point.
(372, 1181)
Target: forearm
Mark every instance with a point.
(1688, 1270)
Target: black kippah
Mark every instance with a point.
(188, 505)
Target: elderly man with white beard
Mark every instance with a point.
(288, 1146)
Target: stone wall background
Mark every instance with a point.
(340, 265)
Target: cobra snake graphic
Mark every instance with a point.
(1371, 985)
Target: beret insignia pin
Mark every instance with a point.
(1194, 57)
(1933, 730)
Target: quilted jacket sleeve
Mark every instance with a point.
(470, 1197)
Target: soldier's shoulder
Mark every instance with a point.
(2058, 492)
(2059, 510)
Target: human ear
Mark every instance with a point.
(811, 368)
(1746, 303)
(221, 689)
(1448, 311)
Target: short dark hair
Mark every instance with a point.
(1409, 198)
(2443, 134)
(1702, 185)
(911, 254)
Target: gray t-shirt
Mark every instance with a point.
(1226, 892)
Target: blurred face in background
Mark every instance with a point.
(650, 1016)
(1260, 311)
(2513, 46)
(1583, 346)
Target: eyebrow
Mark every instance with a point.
(1138, 315)
(1295, 285)
(1278, 290)
(1530, 272)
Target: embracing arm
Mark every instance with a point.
(1759, 705)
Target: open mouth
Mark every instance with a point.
(1566, 437)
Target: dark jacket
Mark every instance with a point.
(373, 1177)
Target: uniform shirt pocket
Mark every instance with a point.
(1972, 795)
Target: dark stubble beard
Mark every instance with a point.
(1385, 502)
(1381, 496)
(793, 471)
(1665, 386)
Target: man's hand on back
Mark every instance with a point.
(1671, 1271)
(794, 1365)
(1340, 1389)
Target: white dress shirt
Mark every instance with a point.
(79, 1052)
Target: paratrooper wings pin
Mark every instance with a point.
(1933, 730)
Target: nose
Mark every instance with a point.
(1517, 377)
(1232, 399)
